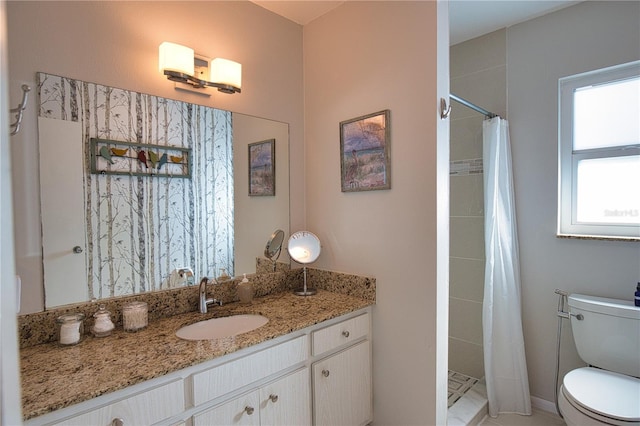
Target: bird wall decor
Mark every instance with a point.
(119, 158)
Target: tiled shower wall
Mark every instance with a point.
(478, 74)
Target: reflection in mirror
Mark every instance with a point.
(274, 247)
(155, 194)
(304, 247)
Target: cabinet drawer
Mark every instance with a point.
(228, 377)
(338, 334)
(242, 411)
(142, 409)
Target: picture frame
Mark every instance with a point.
(111, 157)
(262, 168)
(365, 152)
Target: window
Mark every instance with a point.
(599, 153)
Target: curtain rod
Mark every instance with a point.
(472, 106)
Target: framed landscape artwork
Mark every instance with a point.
(262, 167)
(364, 152)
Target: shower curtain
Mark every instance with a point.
(504, 357)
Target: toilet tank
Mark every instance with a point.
(608, 335)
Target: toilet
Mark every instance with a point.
(607, 336)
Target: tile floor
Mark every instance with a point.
(471, 408)
(458, 385)
(468, 410)
(538, 418)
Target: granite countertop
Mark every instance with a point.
(55, 377)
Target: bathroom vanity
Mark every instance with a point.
(310, 364)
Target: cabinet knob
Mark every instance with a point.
(117, 422)
(273, 398)
(325, 373)
(248, 409)
(345, 333)
(77, 249)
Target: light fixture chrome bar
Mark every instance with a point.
(472, 106)
(180, 77)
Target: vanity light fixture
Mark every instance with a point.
(181, 65)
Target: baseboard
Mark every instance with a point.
(544, 405)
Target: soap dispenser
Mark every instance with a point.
(245, 290)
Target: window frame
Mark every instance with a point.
(568, 158)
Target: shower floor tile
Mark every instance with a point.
(458, 385)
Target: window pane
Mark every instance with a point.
(609, 190)
(607, 115)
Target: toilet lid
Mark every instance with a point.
(610, 394)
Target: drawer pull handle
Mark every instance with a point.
(273, 398)
(345, 333)
(117, 422)
(248, 409)
(325, 373)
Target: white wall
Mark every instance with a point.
(479, 75)
(580, 38)
(258, 217)
(361, 58)
(116, 44)
(10, 399)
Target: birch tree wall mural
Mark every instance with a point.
(142, 225)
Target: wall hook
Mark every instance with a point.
(15, 126)
(444, 109)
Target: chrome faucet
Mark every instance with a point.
(204, 301)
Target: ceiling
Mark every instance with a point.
(467, 18)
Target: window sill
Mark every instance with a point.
(597, 237)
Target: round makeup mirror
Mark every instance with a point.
(274, 247)
(304, 247)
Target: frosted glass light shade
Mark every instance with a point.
(224, 71)
(174, 57)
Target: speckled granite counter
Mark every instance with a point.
(55, 377)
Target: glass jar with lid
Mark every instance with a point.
(103, 324)
(70, 328)
(134, 316)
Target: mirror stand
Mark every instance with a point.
(304, 290)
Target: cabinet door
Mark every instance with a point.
(243, 410)
(342, 387)
(287, 401)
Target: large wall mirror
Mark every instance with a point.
(136, 188)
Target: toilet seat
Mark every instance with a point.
(605, 396)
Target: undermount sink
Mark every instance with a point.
(218, 328)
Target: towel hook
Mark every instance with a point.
(444, 109)
(15, 126)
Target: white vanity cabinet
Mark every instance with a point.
(318, 375)
(342, 384)
(283, 402)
